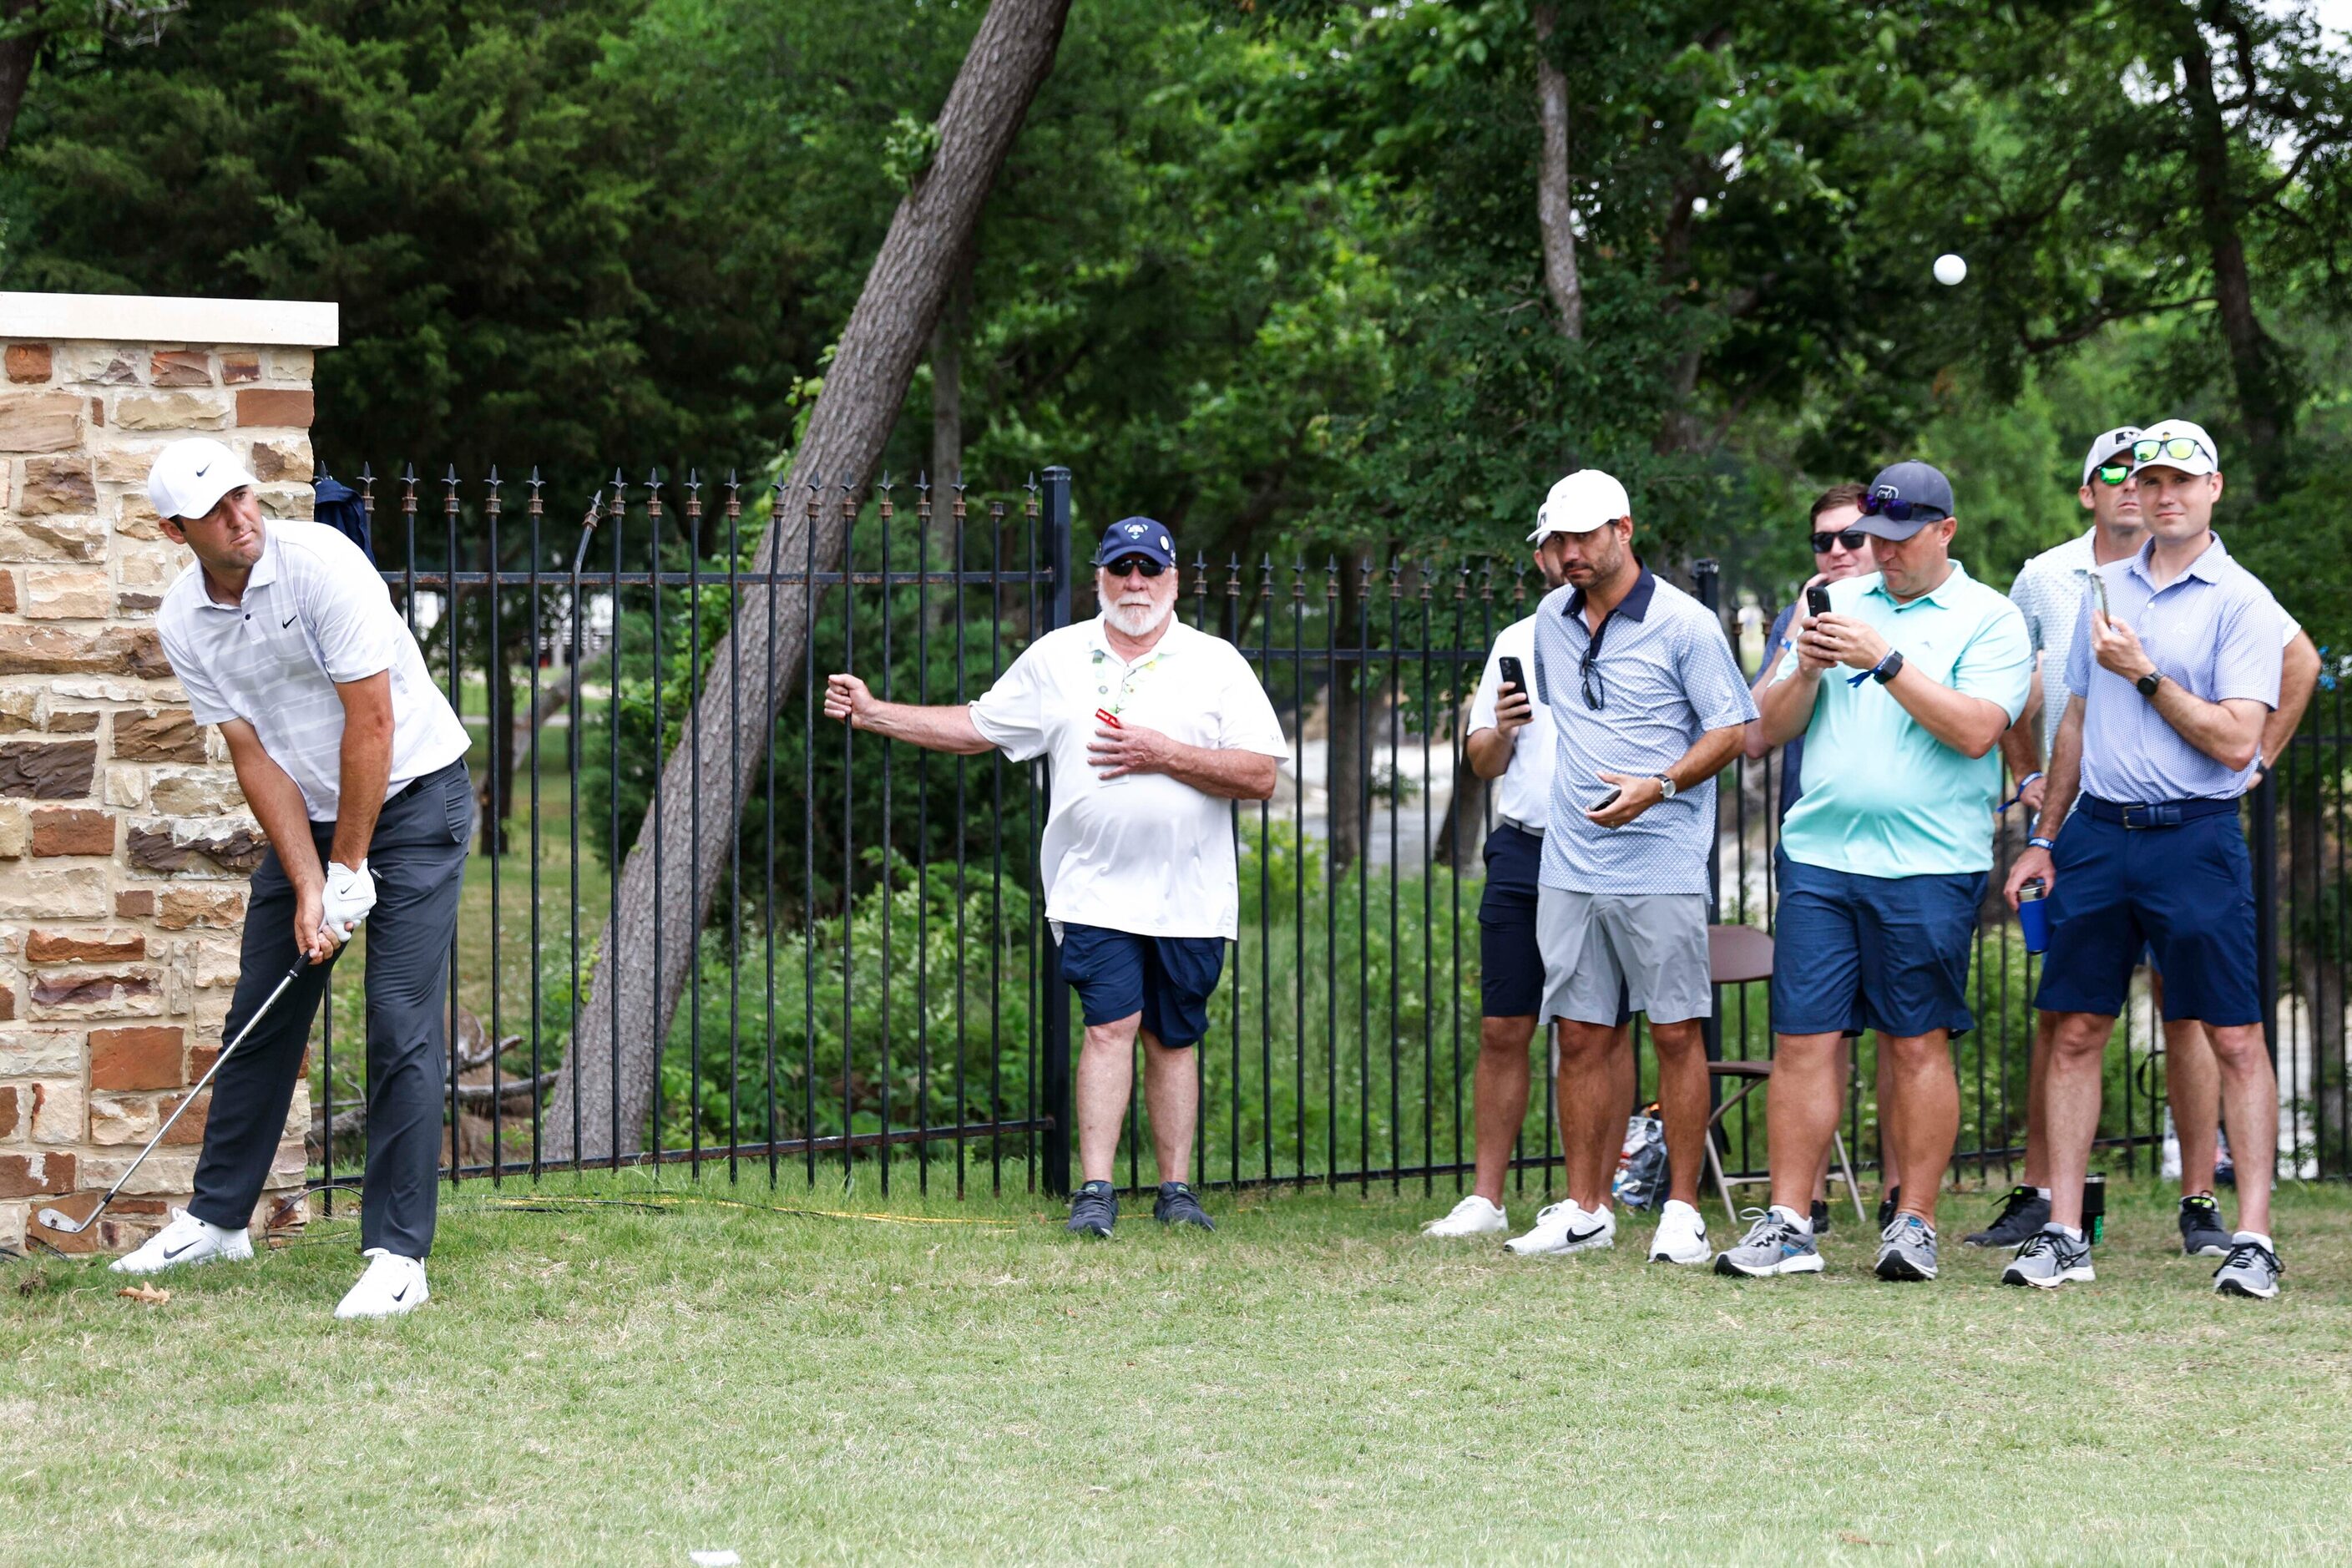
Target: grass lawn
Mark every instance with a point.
(619, 1384)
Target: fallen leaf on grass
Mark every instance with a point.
(147, 1293)
(1850, 1538)
(32, 1284)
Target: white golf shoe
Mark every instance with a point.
(1474, 1215)
(1681, 1236)
(184, 1243)
(1564, 1227)
(392, 1285)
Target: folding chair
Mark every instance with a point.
(1738, 955)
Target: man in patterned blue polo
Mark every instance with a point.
(1647, 707)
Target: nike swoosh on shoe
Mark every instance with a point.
(175, 1252)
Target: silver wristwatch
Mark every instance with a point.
(1665, 786)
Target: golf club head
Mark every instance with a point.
(54, 1219)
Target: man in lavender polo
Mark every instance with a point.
(2174, 670)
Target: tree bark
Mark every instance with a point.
(616, 1059)
(2264, 405)
(17, 55)
(1555, 202)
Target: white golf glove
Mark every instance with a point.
(350, 896)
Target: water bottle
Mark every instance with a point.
(2034, 915)
(2094, 1209)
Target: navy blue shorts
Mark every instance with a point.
(1168, 979)
(1889, 953)
(2184, 893)
(1510, 963)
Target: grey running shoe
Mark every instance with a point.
(2022, 1215)
(1888, 1202)
(2048, 1258)
(1178, 1205)
(2250, 1269)
(1907, 1249)
(2202, 1234)
(1773, 1245)
(1094, 1209)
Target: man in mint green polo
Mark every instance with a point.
(1901, 692)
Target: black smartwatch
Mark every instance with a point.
(1887, 669)
(2148, 683)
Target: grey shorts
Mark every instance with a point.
(1653, 945)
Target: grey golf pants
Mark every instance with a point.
(418, 860)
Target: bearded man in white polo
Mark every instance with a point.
(1151, 728)
(281, 633)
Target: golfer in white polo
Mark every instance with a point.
(1151, 728)
(281, 633)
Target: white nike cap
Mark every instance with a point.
(1585, 501)
(191, 475)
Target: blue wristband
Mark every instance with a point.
(2038, 842)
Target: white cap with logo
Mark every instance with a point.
(191, 475)
(2107, 447)
(2177, 444)
(1586, 499)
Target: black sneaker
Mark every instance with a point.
(2022, 1215)
(2202, 1234)
(1820, 1217)
(1888, 1202)
(1178, 1205)
(1094, 1209)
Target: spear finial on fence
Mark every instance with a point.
(490, 507)
(367, 493)
(734, 516)
(1234, 576)
(1265, 581)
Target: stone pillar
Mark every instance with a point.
(124, 842)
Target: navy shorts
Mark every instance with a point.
(1889, 953)
(2184, 893)
(1168, 979)
(1510, 963)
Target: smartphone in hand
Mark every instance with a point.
(1514, 674)
(2099, 595)
(1817, 599)
(1606, 801)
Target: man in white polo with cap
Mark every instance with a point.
(1647, 706)
(281, 633)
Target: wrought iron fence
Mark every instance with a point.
(875, 989)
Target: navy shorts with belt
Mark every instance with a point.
(2174, 879)
(1168, 979)
(1510, 963)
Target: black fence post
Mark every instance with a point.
(2267, 922)
(1056, 1011)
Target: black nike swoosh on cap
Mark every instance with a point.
(201, 472)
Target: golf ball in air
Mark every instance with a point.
(1951, 269)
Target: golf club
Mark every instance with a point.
(54, 1219)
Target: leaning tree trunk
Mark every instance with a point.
(615, 1059)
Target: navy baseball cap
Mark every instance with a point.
(1136, 536)
(1903, 498)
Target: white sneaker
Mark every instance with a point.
(187, 1241)
(392, 1285)
(1681, 1236)
(1564, 1227)
(1474, 1215)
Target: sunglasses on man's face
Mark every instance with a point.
(2114, 473)
(1128, 566)
(1849, 538)
(1894, 508)
(2179, 449)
